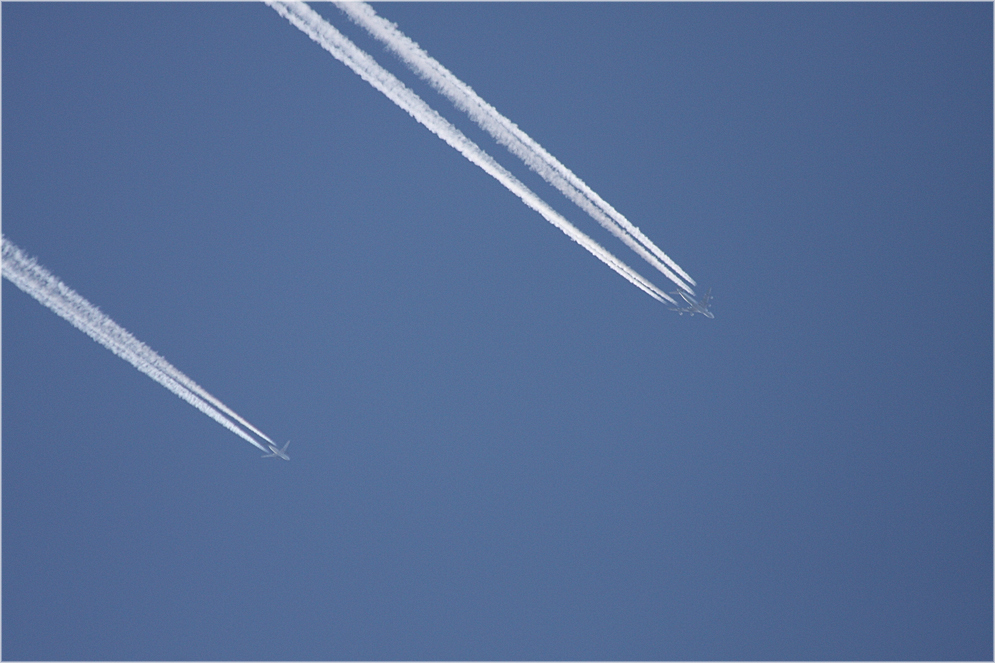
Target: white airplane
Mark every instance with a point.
(278, 453)
(694, 306)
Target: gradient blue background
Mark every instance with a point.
(501, 449)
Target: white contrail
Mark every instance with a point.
(318, 29)
(41, 284)
(145, 353)
(508, 134)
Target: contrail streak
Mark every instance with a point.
(41, 284)
(508, 134)
(313, 25)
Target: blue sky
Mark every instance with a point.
(501, 449)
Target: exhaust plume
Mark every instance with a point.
(318, 29)
(507, 133)
(41, 284)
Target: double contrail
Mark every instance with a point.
(41, 284)
(507, 133)
(318, 29)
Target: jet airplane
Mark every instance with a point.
(693, 305)
(278, 453)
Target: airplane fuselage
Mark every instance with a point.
(276, 452)
(693, 305)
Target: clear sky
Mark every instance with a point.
(500, 448)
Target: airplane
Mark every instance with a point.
(278, 453)
(694, 306)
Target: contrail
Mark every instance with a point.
(508, 134)
(312, 24)
(41, 284)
